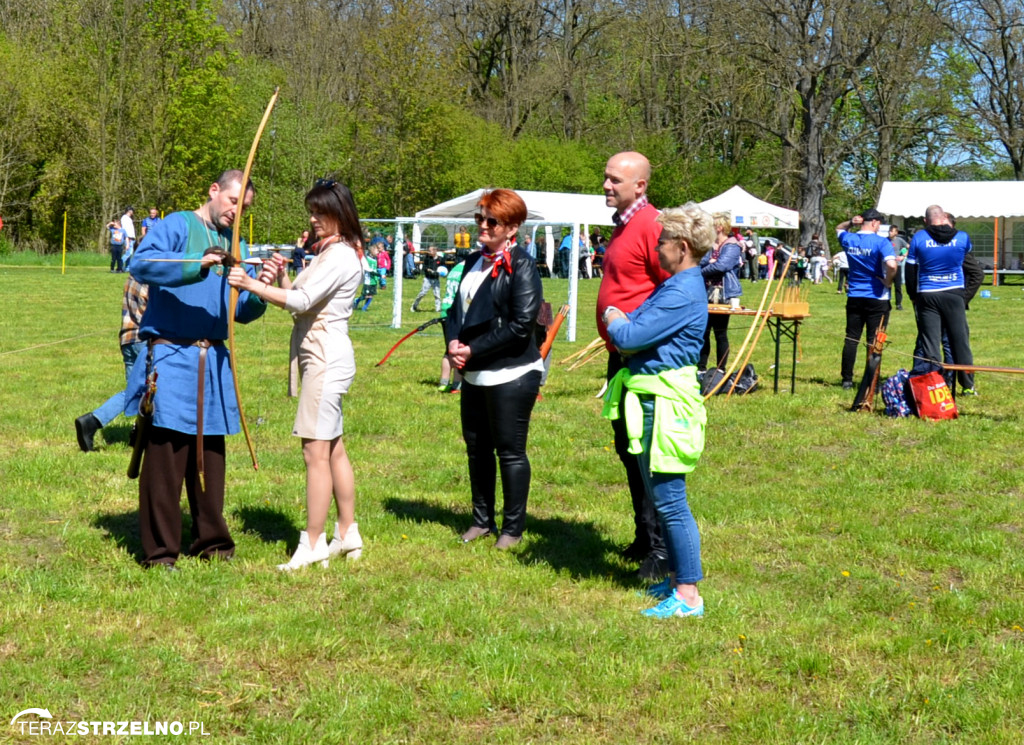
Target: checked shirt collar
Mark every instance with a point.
(624, 217)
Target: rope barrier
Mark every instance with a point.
(51, 343)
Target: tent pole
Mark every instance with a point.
(995, 255)
(574, 280)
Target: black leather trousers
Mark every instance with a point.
(496, 420)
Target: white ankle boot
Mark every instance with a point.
(350, 546)
(305, 555)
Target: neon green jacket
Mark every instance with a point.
(677, 437)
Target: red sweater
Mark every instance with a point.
(630, 270)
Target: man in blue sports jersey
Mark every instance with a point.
(872, 268)
(935, 267)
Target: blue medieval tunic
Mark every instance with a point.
(187, 304)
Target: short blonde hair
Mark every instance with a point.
(691, 224)
(723, 221)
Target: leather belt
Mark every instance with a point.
(203, 344)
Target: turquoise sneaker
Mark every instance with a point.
(660, 590)
(673, 606)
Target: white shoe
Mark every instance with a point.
(350, 546)
(304, 555)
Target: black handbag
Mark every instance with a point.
(747, 382)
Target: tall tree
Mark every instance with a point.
(812, 52)
(991, 36)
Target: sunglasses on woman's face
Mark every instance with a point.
(492, 222)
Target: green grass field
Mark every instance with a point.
(864, 576)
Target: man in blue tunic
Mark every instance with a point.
(184, 327)
(935, 268)
(872, 267)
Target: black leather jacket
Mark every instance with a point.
(499, 325)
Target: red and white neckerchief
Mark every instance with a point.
(500, 259)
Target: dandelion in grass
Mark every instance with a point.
(845, 573)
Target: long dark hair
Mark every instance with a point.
(333, 199)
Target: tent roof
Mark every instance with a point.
(963, 199)
(750, 212)
(543, 206)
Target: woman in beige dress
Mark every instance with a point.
(320, 300)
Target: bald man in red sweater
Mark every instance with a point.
(631, 272)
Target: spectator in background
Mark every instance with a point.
(842, 266)
(816, 256)
(151, 221)
(128, 224)
(409, 262)
(899, 249)
(462, 243)
(751, 251)
(936, 261)
(431, 280)
(368, 261)
(384, 264)
(117, 241)
(299, 253)
(133, 306)
(872, 267)
(719, 267)
(565, 256)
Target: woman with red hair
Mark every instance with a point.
(490, 335)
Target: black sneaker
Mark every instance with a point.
(847, 385)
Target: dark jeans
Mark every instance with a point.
(170, 459)
(496, 419)
(897, 289)
(938, 314)
(861, 313)
(645, 519)
(752, 271)
(719, 323)
(844, 274)
(116, 262)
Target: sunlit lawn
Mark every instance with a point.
(865, 576)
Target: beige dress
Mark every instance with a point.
(320, 302)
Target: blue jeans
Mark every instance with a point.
(109, 409)
(668, 493)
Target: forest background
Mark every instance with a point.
(807, 103)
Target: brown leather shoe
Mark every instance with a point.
(506, 542)
(473, 533)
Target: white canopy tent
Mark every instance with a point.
(544, 208)
(1002, 202)
(964, 199)
(750, 212)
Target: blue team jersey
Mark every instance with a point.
(867, 254)
(940, 266)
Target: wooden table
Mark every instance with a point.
(780, 325)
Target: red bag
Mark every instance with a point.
(932, 397)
